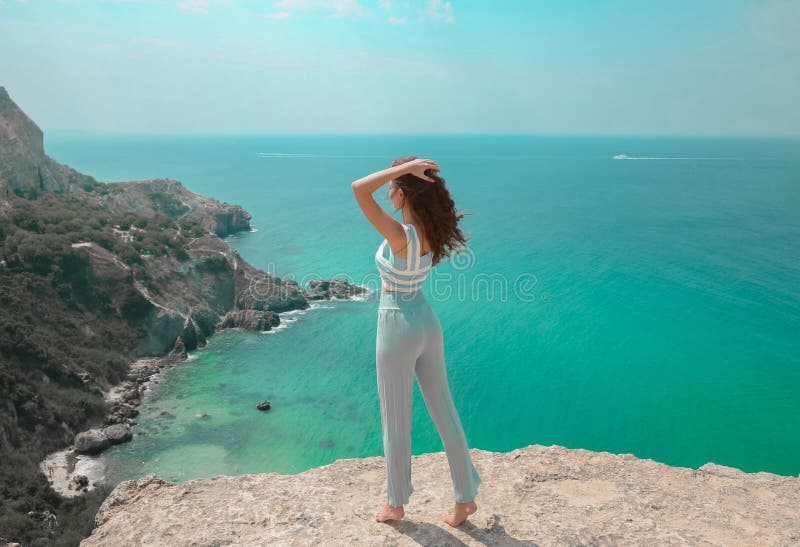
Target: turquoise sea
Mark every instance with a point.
(647, 306)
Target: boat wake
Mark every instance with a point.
(627, 157)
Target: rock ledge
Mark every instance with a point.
(537, 495)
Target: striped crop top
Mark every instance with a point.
(400, 274)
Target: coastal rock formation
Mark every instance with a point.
(338, 287)
(26, 170)
(95, 276)
(170, 197)
(537, 495)
(187, 297)
(24, 166)
(94, 441)
(253, 320)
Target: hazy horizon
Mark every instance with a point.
(766, 136)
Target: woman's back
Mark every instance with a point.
(404, 274)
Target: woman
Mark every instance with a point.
(409, 336)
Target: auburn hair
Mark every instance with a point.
(434, 207)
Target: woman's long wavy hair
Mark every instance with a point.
(433, 205)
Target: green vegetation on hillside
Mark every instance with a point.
(63, 330)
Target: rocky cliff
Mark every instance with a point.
(24, 166)
(93, 277)
(537, 495)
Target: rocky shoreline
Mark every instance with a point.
(110, 283)
(63, 468)
(142, 270)
(78, 469)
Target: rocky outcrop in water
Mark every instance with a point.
(253, 320)
(336, 288)
(537, 495)
(95, 441)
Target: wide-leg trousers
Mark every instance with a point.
(409, 342)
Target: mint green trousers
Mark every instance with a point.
(409, 342)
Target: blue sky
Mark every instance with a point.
(702, 67)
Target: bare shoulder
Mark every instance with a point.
(423, 241)
(398, 240)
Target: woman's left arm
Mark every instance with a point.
(363, 189)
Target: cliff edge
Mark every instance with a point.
(537, 495)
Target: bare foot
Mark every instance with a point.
(390, 512)
(462, 511)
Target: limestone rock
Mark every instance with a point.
(537, 495)
(265, 292)
(338, 287)
(96, 440)
(24, 166)
(169, 196)
(253, 320)
(91, 442)
(117, 433)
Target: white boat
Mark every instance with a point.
(621, 157)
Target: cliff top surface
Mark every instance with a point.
(530, 496)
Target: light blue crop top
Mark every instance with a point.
(400, 274)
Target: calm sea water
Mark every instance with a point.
(649, 306)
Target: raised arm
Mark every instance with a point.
(363, 189)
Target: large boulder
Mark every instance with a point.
(96, 440)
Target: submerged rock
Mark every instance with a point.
(118, 433)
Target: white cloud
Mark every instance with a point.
(293, 4)
(336, 8)
(430, 10)
(193, 6)
(438, 10)
(346, 7)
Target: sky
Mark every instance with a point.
(677, 67)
